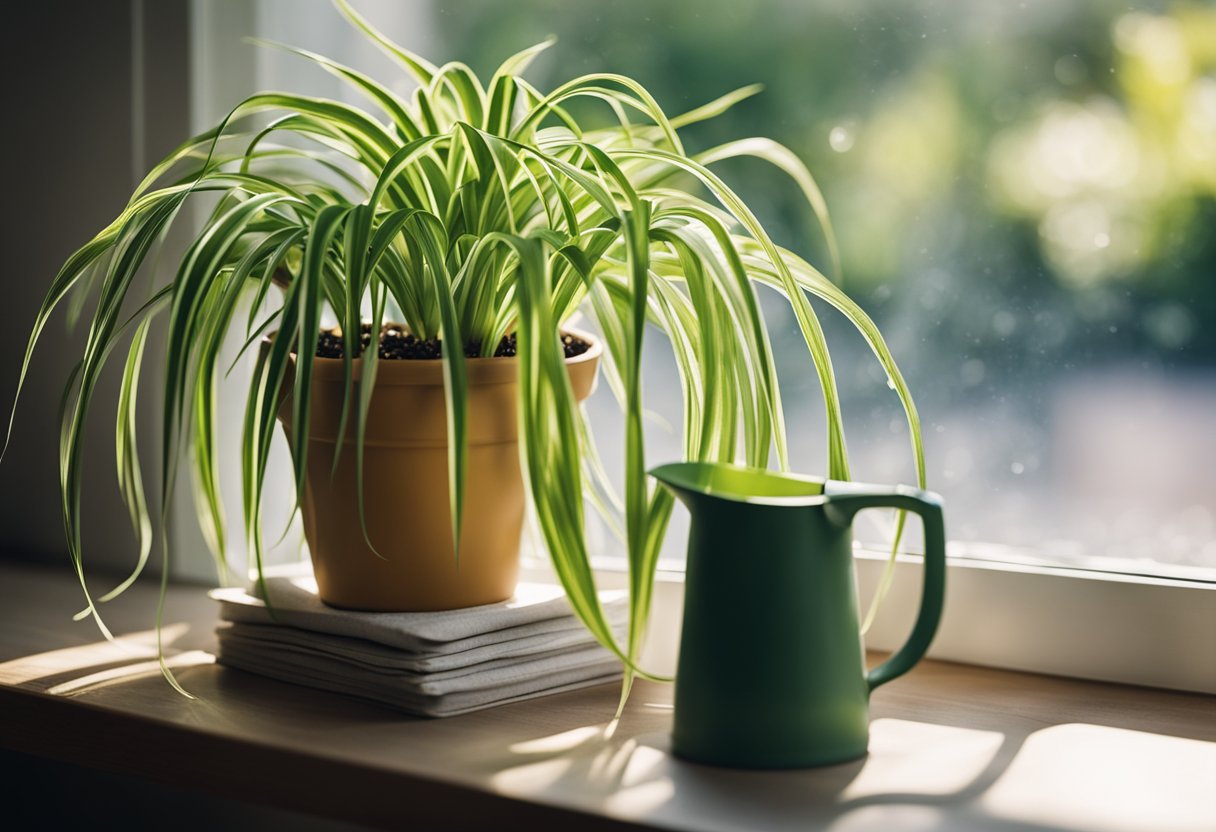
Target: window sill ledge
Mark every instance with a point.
(952, 746)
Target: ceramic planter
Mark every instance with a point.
(405, 477)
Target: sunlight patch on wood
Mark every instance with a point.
(1114, 778)
(139, 646)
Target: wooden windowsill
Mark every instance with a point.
(952, 746)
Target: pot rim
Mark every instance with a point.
(429, 371)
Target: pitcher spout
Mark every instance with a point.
(693, 481)
(685, 480)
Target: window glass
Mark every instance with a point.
(1025, 197)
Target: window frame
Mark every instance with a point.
(1110, 627)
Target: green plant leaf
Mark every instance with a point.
(431, 237)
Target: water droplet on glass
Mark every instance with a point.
(1070, 70)
(842, 138)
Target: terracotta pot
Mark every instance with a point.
(405, 498)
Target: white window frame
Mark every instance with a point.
(1111, 627)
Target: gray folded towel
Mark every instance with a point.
(429, 664)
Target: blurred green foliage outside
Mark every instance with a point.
(1025, 198)
(1038, 177)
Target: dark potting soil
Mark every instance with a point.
(396, 343)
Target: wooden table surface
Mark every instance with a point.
(952, 746)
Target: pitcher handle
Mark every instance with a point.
(842, 507)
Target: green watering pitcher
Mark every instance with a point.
(772, 671)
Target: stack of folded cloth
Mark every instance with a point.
(431, 664)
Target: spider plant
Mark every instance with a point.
(466, 211)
